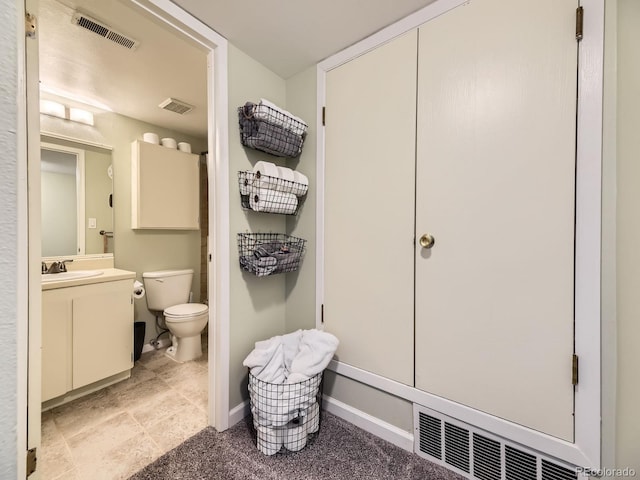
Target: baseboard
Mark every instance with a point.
(369, 423)
(238, 413)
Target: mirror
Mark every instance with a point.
(76, 203)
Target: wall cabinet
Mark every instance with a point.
(87, 335)
(164, 188)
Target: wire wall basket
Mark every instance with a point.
(270, 130)
(286, 416)
(265, 254)
(263, 193)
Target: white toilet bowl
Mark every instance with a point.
(186, 322)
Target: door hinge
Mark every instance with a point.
(579, 23)
(322, 313)
(32, 461)
(30, 25)
(574, 370)
(324, 112)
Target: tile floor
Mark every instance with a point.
(112, 433)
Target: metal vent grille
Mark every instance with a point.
(519, 465)
(551, 471)
(478, 454)
(430, 436)
(487, 461)
(456, 446)
(176, 106)
(103, 30)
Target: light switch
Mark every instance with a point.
(92, 223)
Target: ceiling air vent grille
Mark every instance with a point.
(103, 30)
(478, 454)
(176, 106)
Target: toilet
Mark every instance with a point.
(168, 292)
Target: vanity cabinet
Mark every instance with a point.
(164, 188)
(87, 335)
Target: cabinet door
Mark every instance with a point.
(369, 208)
(495, 177)
(102, 331)
(165, 188)
(56, 343)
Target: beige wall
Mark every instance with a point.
(301, 285)
(138, 250)
(628, 236)
(257, 305)
(98, 186)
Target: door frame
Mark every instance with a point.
(585, 451)
(28, 257)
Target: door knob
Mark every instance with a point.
(427, 241)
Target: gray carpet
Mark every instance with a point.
(340, 451)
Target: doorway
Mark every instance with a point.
(180, 24)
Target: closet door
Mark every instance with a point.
(496, 176)
(369, 208)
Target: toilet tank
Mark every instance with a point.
(166, 288)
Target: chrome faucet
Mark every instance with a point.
(57, 267)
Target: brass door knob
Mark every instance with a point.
(427, 241)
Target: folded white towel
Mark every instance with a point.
(271, 201)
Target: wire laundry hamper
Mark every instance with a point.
(286, 416)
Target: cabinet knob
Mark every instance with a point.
(427, 241)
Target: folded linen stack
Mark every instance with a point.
(284, 381)
(272, 189)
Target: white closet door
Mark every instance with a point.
(495, 176)
(370, 208)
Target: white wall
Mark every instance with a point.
(9, 221)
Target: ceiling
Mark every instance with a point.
(287, 36)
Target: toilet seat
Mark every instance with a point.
(185, 311)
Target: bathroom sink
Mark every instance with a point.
(74, 275)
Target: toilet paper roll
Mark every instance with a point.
(138, 289)
(312, 418)
(296, 436)
(285, 174)
(270, 440)
(302, 183)
(269, 169)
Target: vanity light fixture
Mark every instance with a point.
(55, 109)
(82, 116)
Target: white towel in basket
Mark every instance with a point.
(280, 117)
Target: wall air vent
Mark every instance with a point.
(480, 455)
(176, 106)
(103, 30)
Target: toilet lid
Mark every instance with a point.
(186, 310)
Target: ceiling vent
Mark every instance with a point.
(103, 30)
(176, 106)
(480, 455)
